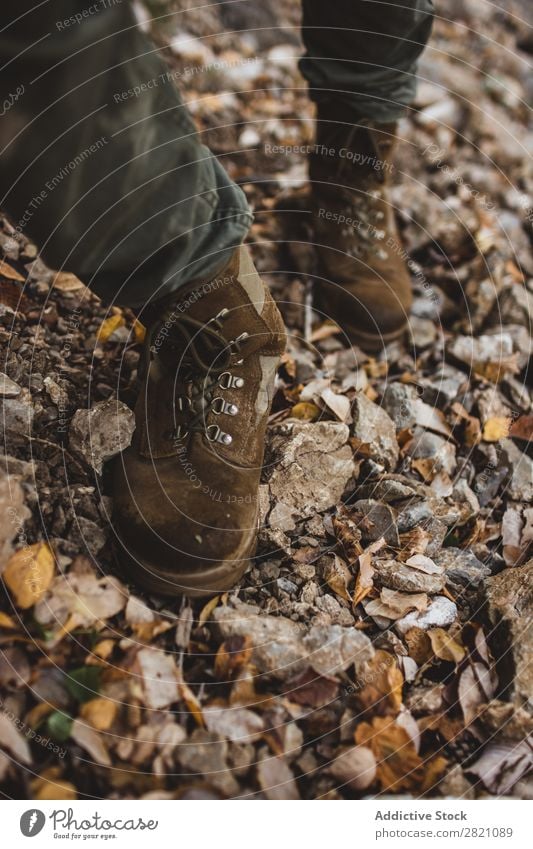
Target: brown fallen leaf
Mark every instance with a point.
(338, 577)
(394, 604)
(232, 657)
(364, 581)
(313, 690)
(522, 428)
(80, 599)
(398, 763)
(381, 683)
(29, 573)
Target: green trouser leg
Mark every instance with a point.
(99, 159)
(363, 53)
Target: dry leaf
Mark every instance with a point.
(6, 621)
(338, 577)
(7, 271)
(496, 429)
(159, 676)
(338, 404)
(444, 646)
(81, 600)
(91, 741)
(67, 282)
(207, 609)
(29, 573)
(13, 741)
(232, 657)
(50, 787)
(398, 764)
(381, 684)
(364, 581)
(192, 703)
(502, 765)
(306, 411)
(99, 713)
(108, 326)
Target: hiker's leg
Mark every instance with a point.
(100, 162)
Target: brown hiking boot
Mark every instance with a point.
(185, 492)
(363, 284)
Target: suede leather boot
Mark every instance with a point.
(363, 283)
(185, 492)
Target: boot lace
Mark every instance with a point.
(205, 358)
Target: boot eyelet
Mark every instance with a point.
(219, 406)
(215, 434)
(229, 381)
(182, 403)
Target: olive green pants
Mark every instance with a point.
(100, 163)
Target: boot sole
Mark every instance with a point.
(212, 580)
(369, 342)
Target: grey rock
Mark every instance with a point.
(399, 400)
(399, 576)
(283, 649)
(462, 568)
(102, 432)
(379, 521)
(439, 614)
(16, 414)
(8, 387)
(374, 427)
(412, 515)
(521, 485)
(430, 445)
(315, 464)
(509, 600)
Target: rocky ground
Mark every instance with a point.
(380, 642)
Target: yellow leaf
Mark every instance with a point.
(305, 410)
(207, 610)
(139, 331)
(58, 789)
(192, 703)
(444, 646)
(6, 621)
(104, 648)
(496, 428)
(99, 713)
(9, 272)
(108, 326)
(29, 573)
